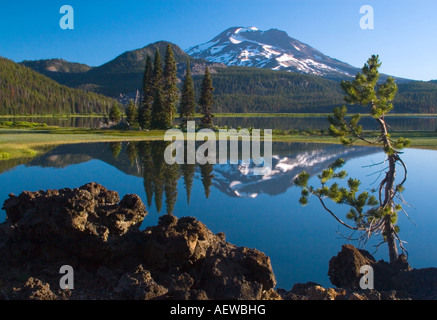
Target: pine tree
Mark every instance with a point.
(145, 111)
(371, 215)
(158, 120)
(207, 100)
(157, 74)
(188, 99)
(115, 113)
(148, 82)
(170, 83)
(132, 113)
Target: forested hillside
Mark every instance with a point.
(253, 90)
(416, 97)
(26, 92)
(239, 89)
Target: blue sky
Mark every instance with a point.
(404, 35)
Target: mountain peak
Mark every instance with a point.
(272, 49)
(246, 29)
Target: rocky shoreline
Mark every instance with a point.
(99, 236)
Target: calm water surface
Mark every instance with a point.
(253, 211)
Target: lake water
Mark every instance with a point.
(282, 123)
(254, 211)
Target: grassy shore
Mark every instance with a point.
(29, 142)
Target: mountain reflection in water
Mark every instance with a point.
(146, 159)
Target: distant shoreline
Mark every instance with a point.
(228, 115)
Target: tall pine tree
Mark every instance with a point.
(188, 99)
(157, 73)
(145, 111)
(207, 100)
(158, 120)
(170, 83)
(158, 111)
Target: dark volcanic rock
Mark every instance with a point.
(344, 269)
(90, 229)
(419, 283)
(220, 269)
(139, 286)
(79, 223)
(392, 281)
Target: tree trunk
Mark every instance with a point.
(389, 185)
(389, 232)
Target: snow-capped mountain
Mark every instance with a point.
(273, 49)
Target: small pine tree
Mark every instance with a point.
(132, 113)
(170, 85)
(207, 100)
(372, 215)
(188, 99)
(115, 113)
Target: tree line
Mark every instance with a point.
(161, 97)
(26, 92)
(252, 90)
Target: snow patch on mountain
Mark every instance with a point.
(273, 49)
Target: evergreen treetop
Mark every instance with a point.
(115, 113)
(157, 73)
(170, 84)
(207, 100)
(132, 113)
(188, 99)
